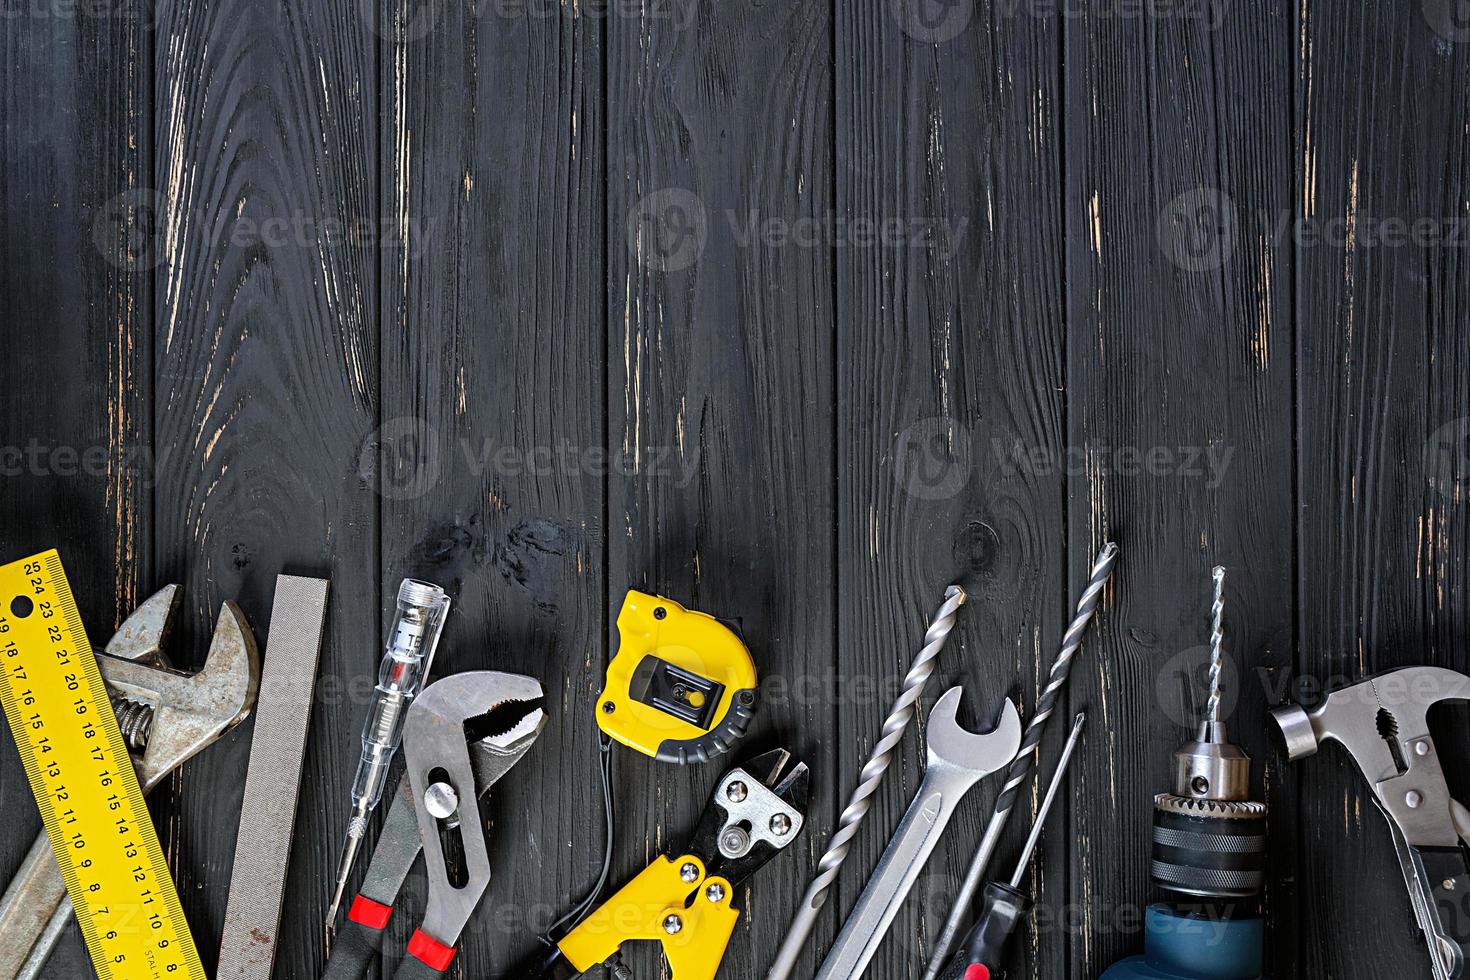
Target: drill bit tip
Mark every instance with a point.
(1217, 647)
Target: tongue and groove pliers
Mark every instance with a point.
(461, 735)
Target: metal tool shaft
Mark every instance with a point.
(273, 779)
(957, 760)
(1051, 794)
(422, 608)
(869, 780)
(1025, 761)
(1217, 646)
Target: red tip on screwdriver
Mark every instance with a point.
(977, 971)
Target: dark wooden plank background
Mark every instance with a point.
(795, 311)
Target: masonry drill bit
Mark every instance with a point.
(868, 782)
(1020, 768)
(1217, 645)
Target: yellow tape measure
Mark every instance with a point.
(84, 782)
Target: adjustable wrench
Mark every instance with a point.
(1383, 724)
(166, 718)
(957, 760)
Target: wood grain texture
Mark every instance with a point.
(266, 354)
(950, 415)
(493, 372)
(1382, 434)
(75, 305)
(720, 389)
(794, 312)
(1179, 376)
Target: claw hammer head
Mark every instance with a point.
(950, 744)
(1383, 723)
(188, 711)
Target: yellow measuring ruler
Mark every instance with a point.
(84, 783)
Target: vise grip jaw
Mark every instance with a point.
(1383, 724)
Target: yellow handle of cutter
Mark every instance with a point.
(652, 906)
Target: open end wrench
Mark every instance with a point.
(167, 718)
(957, 760)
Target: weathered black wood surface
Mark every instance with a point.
(795, 311)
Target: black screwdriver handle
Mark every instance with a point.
(981, 955)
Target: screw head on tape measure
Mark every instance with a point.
(84, 784)
(681, 686)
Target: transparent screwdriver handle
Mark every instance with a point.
(422, 608)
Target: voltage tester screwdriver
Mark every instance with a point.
(422, 608)
(982, 952)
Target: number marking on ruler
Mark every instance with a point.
(84, 783)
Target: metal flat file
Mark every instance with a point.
(263, 845)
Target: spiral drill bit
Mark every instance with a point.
(1021, 767)
(1217, 645)
(869, 780)
(1209, 837)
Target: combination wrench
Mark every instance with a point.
(957, 760)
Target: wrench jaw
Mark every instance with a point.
(949, 743)
(446, 783)
(177, 716)
(189, 711)
(144, 635)
(958, 759)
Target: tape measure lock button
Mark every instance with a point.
(676, 691)
(681, 686)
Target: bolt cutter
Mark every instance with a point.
(686, 901)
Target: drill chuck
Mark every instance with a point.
(1209, 840)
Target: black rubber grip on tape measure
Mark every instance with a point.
(1208, 855)
(719, 740)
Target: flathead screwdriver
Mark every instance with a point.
(1004, 905)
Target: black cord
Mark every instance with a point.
(582, 909)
